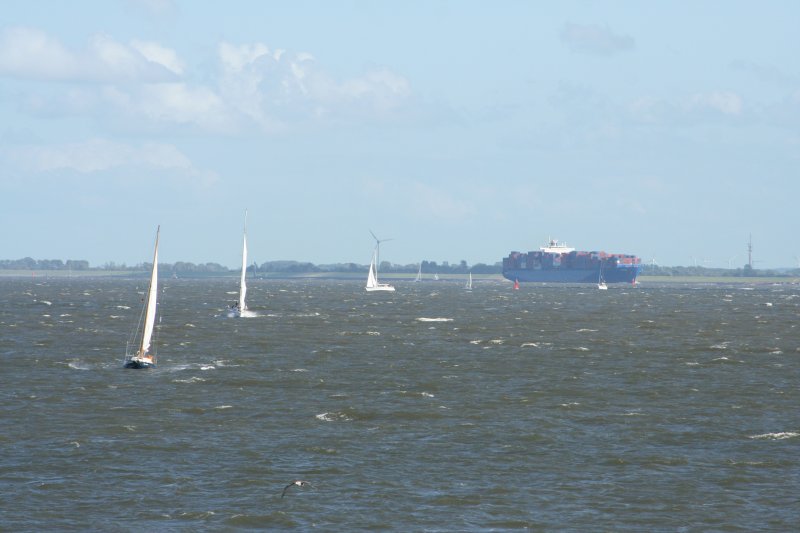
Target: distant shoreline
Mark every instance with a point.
(356, 276)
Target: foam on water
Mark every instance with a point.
(776, 436)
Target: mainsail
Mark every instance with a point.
(150, 313)
(372, 280)
(242, 284)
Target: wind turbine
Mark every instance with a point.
(378, 248)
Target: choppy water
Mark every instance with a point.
(670, 408)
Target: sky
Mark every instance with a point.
(461, 130)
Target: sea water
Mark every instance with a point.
(649, 408)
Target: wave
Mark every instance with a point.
(333, 417)
(423, 319)
(776, 436)
(193, 379)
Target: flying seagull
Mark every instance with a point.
(298, 483)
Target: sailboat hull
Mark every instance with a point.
(132, 363)
(386, 288)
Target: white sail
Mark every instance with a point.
(601, 283)
(372, 277)
(469, 282)
(372, 280)
(419, 274)
(242, 284)
(152, 297)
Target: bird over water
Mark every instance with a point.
(298, 482)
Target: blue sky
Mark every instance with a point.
(462, 130)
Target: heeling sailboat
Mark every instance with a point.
(468, 286)
(418, 279)
(144, 357)
(239, 308)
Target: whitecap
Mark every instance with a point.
(423, 319)
(298, 370)
(529, 344)
(332, 417)
(427, 394)
(123, 307)
(190, 380)
(776, 436)
(224, 407)
(207, 367)
(475, 342)
(496, 341)
(78, 365)
(586, 330)
(374, 333)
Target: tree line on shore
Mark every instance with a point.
(427, 267)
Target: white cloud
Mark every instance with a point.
(161, 55)
(179, 103)
(236, 58)
(29, 53)
(145, 82)
(727, 103)
(100, 155)
(273, 87)
(597, 40)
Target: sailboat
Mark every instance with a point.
(419, 274)
(601, 283)
(240, 307)
(468, 286)
(144, 357)
(372, 277)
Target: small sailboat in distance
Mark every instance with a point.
(372, 277)
(418, 279)
(240, 307)
(144, 357)
(468, 286)
(601, 283)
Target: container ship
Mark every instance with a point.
(559, 263)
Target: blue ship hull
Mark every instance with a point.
(620, 274)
